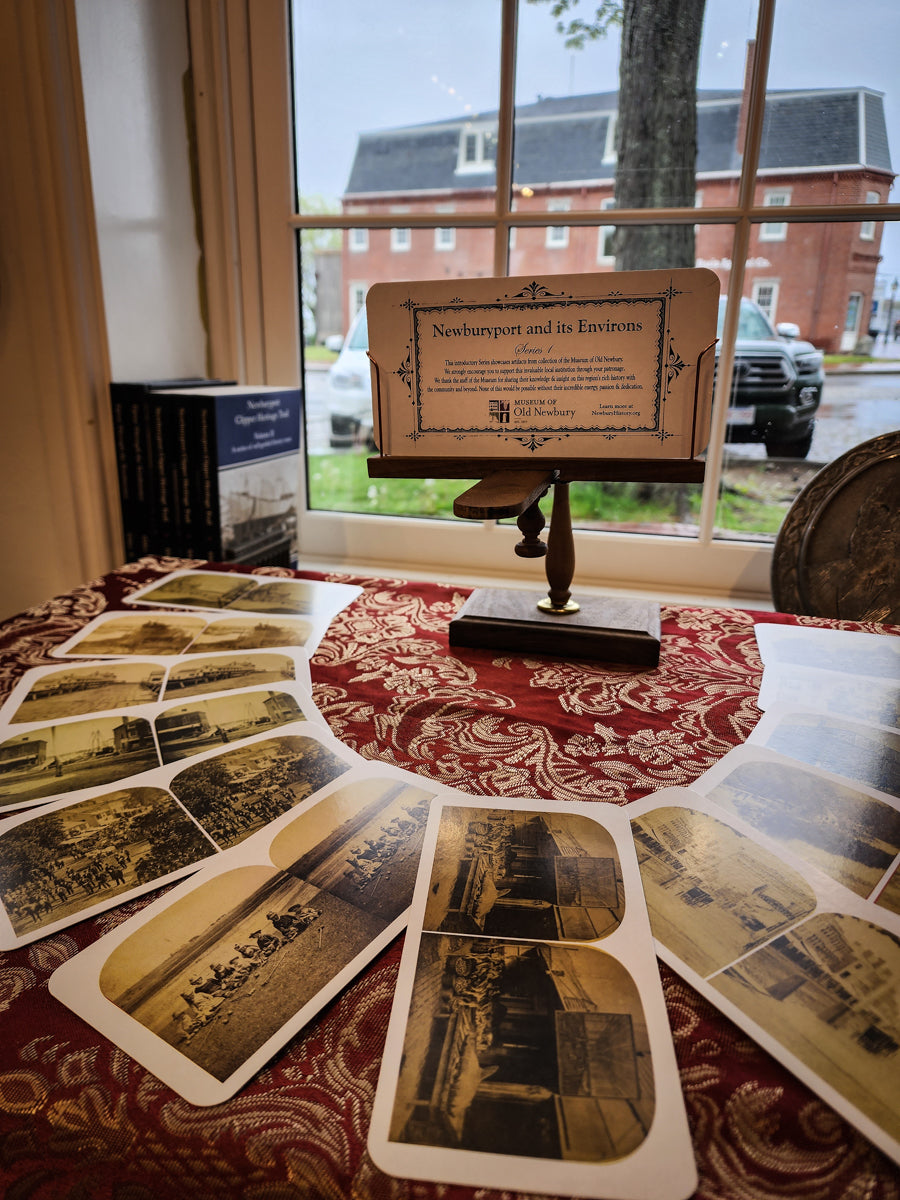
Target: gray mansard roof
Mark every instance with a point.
(567, 140)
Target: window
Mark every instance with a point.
(557, 236)
(867, 228)
(462, 76)
(359, 240)
(765, 293)
(775, 231)
(357, 297)
(606, 253)
(444, 238)
(477, 149)
(401, 239)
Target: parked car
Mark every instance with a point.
(776, 387)
(350, 389)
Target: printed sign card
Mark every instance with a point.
(529, 1047)
(607, 365)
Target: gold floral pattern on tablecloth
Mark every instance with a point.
(78, 1118)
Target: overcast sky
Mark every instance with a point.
(366, 65)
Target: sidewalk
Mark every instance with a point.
(885, 360)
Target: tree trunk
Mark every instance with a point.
(657, 128)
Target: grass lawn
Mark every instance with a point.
(340, 482)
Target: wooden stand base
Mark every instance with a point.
(603, 630)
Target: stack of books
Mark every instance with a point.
(208, 470)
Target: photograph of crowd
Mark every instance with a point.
(237, 792)
(56, 864)
(74, 691)
(239, 954)
(186, 729)
(77, 754)
(218, 673)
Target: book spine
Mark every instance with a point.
(129, 412)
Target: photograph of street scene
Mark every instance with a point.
(237, 792)
(74, 691)
(77, 754)
(57, 864)
(869, 756)
(850, 836)
(186, 729)
(827, 990)
(221, 672)
(238, 956)
(510, 873)
(247, 633)
(524, 1048)
(136, 633)
(712, 893)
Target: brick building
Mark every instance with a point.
(819, 147)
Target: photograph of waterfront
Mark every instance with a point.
(238, 955)
(220, 672)
(74, 691)
(857, 752)
(850, 836)
(249, 633)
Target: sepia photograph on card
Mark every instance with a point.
(246, 593)
(44, 762)
(543, 367)
(207, 983)
(863, 753)
(84, 853)
(849, 833)
(58, 692)
(856, 697)
(125, 635)
(875, 655)
(528, 1046)
(804, 965)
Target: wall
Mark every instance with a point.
(134, 58)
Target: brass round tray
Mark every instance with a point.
(838, 551)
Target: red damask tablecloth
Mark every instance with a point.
(78, 1118)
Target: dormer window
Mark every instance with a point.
(477, 149)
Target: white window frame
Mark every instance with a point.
(775, 231)
(757, 287)
(257, 99)
(445, 237)
(867, 228)
(480, 137)
(401, 239)
(358, 239)
(604, 233)
(557, 236)
(356, 295)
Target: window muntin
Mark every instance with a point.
(723, 243)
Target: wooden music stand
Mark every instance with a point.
(598, 628)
